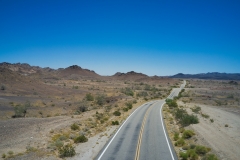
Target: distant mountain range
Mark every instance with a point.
(71, 72)
(212, 75)
(75, 72)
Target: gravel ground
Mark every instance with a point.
(225, 141)
(17, 134)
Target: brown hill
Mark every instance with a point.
(48, 73)
(134, 76)
(75, 72)
(19, 84)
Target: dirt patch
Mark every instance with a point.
(17, 134)
(222, 135)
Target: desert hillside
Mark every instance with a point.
(46, 102)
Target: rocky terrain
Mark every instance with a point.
(38, 106)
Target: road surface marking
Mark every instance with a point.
(140, 134)
(165, 131)
(117, 133)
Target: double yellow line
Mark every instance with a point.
(140, 135)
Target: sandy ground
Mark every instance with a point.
(17, 134)
(90, 149)
(224, 141)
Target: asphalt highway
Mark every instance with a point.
(142, 136)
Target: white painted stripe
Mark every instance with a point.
(117, 133)
(165, 132)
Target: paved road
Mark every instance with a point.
(176, 91)
(142, 136)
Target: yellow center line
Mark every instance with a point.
(140, 135)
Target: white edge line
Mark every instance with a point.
(117, 133)
(165, 132)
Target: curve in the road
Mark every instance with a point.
(142, 127)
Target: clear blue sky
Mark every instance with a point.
(161, 37)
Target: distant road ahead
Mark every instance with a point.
(142, 136)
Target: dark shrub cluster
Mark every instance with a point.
(80, 139)
(115, 123)
(184, 118)
(66, 151)
(117, 113)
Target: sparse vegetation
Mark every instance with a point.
(127, 91)
(210, 157)
(100, 99)
(80, 139)
(21, 110)
(115, 123)
(205, 115)
(4, 155)
(89, 97)
(3, 87)
(129, 105)
(201, 150)
(74, 126)
(176, 136)
(188, 134)
(180, 142)
(196, 109)
(117, 113)
(171, 103)
(184, 118)
(66, 151)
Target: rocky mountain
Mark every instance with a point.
(46, 73)
(75, 71)
(130, 76)
(212, 75)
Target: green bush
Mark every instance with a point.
(127, 91)
(185, 119)
(62, 138)
(176, 136)
(142, 94)
(80, 139)
(196, 109)
(21, 110)
(58, 143)
(74, 126)
(115, 123)
(89, 97)
(205, 115)
(4, 155)
(125, 109)
(129, 105)
(100, 99)
(66, 151)
(83, 106)
(171, 103)
(192, 146)
(211, 120)
(192, 154)
(201, 150)
(180, 142)
(210, 157)
(183, 155)
(188, 134)
(117, 113)
(188, 119)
